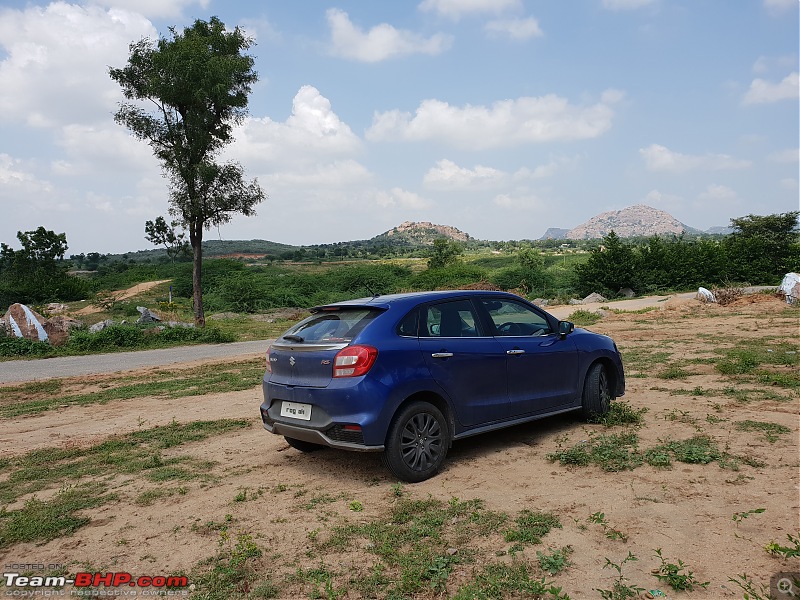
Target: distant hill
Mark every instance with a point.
(555, 233)
(421, 233)
(639, 220)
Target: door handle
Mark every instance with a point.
(517, 351)
(442, 354)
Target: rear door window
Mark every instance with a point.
(450, 319)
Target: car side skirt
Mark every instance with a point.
(511, 423)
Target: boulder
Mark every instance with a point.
(55, 308)
(146, 316)
(25, 323)
(790, 286)
(100, 326)
(574, 301)
(58, 328)
(627, 293)
(594, 297)
(541, 302)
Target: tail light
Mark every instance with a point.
(354, 361)
(269, 365)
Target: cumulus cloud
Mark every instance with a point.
(154, 8)
(56, 68)
(447, 175)
(103, 148)
(515, 29)
(660, 158)
(337, 174)
(627, 4)
(312, 132)
(765, 92)
(455, 9)
(379, 43)
(400, 198)
(792, 155)
(504, 123)
(717, 192)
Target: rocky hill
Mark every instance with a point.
(421, 233)
(633, 221)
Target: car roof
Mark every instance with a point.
(410, 298)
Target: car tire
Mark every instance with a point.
(417, 442)
(597, 396)
(302, 445)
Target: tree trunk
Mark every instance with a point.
(196, 238)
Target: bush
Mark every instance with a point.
(14, 346)
(452, 277)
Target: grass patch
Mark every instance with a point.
(642, 362)
(117, 338)
(137, 452)
(582, 318)
(614, 452)
(622, 413)
(771, 431)
(531, 527)
(410, 544)
(175, 383)
(41, 521)
(516, 580)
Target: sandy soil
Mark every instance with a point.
(139, 288)
(686, 510)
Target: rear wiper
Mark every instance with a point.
(293, 338)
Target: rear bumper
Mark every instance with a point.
(314, 436)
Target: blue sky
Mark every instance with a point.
(499, 117)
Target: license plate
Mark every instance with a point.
(296, 410)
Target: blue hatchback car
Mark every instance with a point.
(407, 374)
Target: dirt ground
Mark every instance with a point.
(687, 511)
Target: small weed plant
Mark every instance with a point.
(556, 561)
(622, 588)
(677, 576)
(790, 551)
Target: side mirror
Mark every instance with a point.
(565, 328)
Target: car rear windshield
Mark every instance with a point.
(332, 325)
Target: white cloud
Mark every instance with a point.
(447, 175)
(311, 133)
(56, 68)
(400, 198)
(505, 123)
(154, 8)
(627, 4)
(105, 149)
(518, 202)
(660, 158)
(14, 179)
(717, 192)
(515, 29)
(791, 155)
(777, 7)
(379, 43)
(455, 9)
(338, 174)
(764, 92)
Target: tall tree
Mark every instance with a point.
(195, 87)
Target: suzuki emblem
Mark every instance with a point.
(291, 360)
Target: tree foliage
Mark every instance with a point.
(444, 253)
(160, 233)
(763, 245)
(37, 271)
(195, 85)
